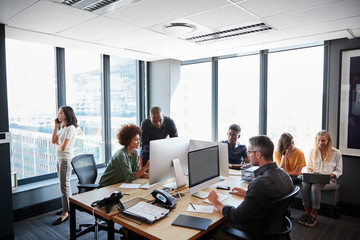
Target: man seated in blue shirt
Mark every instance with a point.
(237, 152)
(155, 127)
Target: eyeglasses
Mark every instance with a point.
(248, 152)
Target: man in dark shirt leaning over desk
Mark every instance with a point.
(270, 183)
(155, 127)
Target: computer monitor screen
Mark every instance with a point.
(223, 153)
(204, 169)
(162, 153)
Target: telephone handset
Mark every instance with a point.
(109, 202)
(164, 198)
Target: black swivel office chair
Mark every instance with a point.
(85, 169)
(278, 224)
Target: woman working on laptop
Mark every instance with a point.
(323, 159)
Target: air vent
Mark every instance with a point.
(89, 5)
(225, 34)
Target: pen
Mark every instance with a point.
(192, 206)
(126, 194)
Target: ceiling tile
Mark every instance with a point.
(165, 45)
(315, 15)
(134, 38)
(266, 8)
(223, 17)
(151, 12)
(49, 17)
(97, 29)
(9, 8)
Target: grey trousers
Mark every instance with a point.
(63, 167)
(311, 193)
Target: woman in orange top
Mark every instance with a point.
(289, 157)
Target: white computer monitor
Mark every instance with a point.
(162, 153)
(223, 153)
(204, 169)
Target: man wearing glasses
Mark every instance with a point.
(270, 183)
(237, 152)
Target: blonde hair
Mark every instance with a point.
(329, 150)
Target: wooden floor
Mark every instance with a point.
(40, 227)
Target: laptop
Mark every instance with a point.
(316, 178)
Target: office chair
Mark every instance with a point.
(278, 224)
(85, 169)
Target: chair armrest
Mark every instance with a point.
(237, 233)
(88, 187)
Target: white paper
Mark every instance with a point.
(129, 185)
(235, 173)
(200, 208)
(221, 198)
(147, 185)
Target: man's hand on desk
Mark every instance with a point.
(239, 191)
(213, 198)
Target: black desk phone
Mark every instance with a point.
(109, 202)
(164, 198)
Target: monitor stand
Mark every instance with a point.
(179, 176)
(201, 194)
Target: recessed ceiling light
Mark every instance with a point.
(178, 28)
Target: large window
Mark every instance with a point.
(238, 96)
(191, 102)
(123, 95)
(295, 91)
(32, 107)
(84, 95)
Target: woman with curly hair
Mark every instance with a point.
(124, 165)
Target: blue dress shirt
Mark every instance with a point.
(237, 153)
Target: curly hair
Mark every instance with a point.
(127, 132)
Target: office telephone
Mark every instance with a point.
(109, 202)
(164, 198)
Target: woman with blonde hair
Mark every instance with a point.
(324, 159)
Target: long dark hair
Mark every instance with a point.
(284, 142)
(70, 116)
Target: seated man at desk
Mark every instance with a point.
(237, 152)
(154, 128)
(124, 165)
(270, 183)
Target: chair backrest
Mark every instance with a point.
(85, 168)
(277, 210)
(273, 214)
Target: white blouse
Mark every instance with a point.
(334, 166)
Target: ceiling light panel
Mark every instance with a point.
(230, 33)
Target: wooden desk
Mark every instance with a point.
(163, 228)
(83, 202)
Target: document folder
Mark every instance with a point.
(141, 209)
(192, 222)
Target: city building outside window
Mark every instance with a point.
(238, 96)
(295, 91)
(32, 107)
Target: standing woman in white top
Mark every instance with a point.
(323, 159)
(64, 140)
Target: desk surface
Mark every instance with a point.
(163, 228)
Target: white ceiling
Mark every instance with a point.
(135, 30)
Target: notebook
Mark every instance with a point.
(316, 178)
(192, 222)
